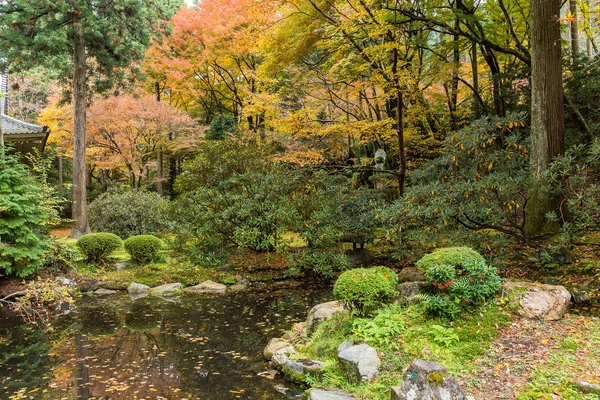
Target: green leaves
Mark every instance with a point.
(23, 241)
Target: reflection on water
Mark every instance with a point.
(189, 347)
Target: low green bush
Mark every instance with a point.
(453, 256)
(365, 289)
(460, 279)
(97, 247)
(315, 263)
(143, 248)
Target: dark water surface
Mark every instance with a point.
(187, 347)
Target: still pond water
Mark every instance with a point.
(187, 347)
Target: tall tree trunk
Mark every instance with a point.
(475, 70)
(455, 75)
(61, 172)
(402, 148)
(159, 172)
(547, 109)
(588, 24)
(80, 220)
(574, 31)
(159, 155)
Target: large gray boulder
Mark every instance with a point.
(322, 312)
(427, 380)
(359, 362)
(320, 394)
(296, 370)
(536, 301)
(137, 288)
(207, 287)
(169, 289)
(274, 345)
(281, 356)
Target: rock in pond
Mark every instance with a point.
(296, 370)
(274, 345)
(359, 362)
(104, 292)
(137, 288)
(238, 287)
(427, 380)
(167, 290)
(536, 301)
(66, 281)
(411, 274)
(322, 312)
(207, 287)
(320, 394)
(281, 356)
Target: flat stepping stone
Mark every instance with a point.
(167, 290)
(207, 287)
(137, 288)
(104, 292)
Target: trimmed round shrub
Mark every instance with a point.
(454, 256)
(365, 289)
(465, 283)
(143, 248)
(97, 247)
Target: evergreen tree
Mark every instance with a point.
(81, 38)
(22, 240)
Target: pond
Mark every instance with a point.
(187, 347)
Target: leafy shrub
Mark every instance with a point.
(321, 264)
(381, 329)
(60, 257)
(129, 213)
(330, 206)
(23, 238)
(231, 195)
(452, 256)
(365, 289)
(460, 280)
(97, 247)
(143, 248)
(480, 184)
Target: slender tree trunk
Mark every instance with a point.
(589, 43)
(61, 174)
(475, 71)
(400, 130)
(547, 109)
(574, 31)
(79, 215)
(159, 155)
(159, 172)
